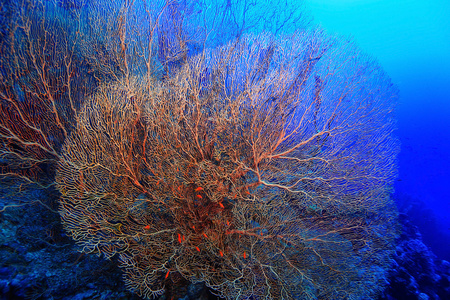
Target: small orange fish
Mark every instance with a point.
(199, 189)
(167, 275)
(147, 227)
(183, 238)
(221, 205)
(245, 255)
(228, 223)
(220, 252)
(199, 196)
(179, 238)
(204, 234)
(198, 249)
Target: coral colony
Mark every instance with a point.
(211, 142)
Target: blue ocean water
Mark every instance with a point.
(411, 40)
(360, 253)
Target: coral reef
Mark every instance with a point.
(417, 273)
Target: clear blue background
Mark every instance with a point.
(411, 40)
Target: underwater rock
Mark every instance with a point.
(416, 273)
